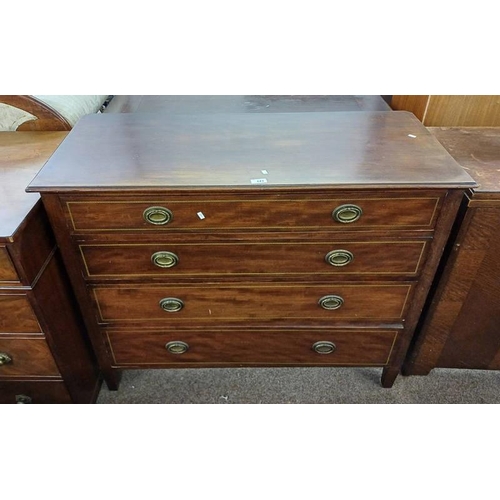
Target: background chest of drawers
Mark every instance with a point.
(460, 326)
(251, 240)
(43, 357)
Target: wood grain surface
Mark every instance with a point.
(460, 325)
(8, 273)
(417, 104)
(451, 110)
(16, 314)
(302, 259)
(268, 347)
(477, 150)
(22, 155)
(33, 245)
(59, 316)
(30, 357)
(134, 151)
(253, 302)
(276, 211)
(463, 111)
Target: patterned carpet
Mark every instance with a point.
(301, 386)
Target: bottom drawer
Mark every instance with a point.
(266, 347)
(42, 392)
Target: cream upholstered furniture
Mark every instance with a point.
(46, 112)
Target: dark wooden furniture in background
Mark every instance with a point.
(244, 103)
(461, 328)
(43, 357)
(285, 239)
(451, 110)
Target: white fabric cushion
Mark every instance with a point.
(12, 117)
(73, 107)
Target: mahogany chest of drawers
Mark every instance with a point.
(43, 354)
(460, 327)
(287, 239)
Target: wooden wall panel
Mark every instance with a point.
(417, 104)
(452, 110)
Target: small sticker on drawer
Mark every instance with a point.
(200, 215)
(265, 172)
(258, 181)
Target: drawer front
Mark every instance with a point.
(276, 213)
(256, 302)
(208, 259)
(26, 358)
(7, 272)
(16, 315)
(34, 392)
(342, 347)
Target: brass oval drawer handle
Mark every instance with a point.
(22, 399)
(324, 347)
(164, 259)
(5, 359)
(347, 213)
(339, 258)
(158, 216)
(171, 304)
(177, 347)
(331, 302)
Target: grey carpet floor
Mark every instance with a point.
(301, 386)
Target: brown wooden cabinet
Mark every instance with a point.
(460, 326)
(286, 239)
(44, 357)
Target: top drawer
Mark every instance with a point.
(273, 212)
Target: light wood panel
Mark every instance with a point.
(452, 110)
(417, 104)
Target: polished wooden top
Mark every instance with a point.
(477, 150)
(244, 103)
(140, 151)
(22, 154)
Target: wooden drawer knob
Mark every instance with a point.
(164, 259)
(331, 302)
(324, 347)
(158, 216)
(171, 304)
(339, 258)
(347, 213)
(5, 359)
(177, 347)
